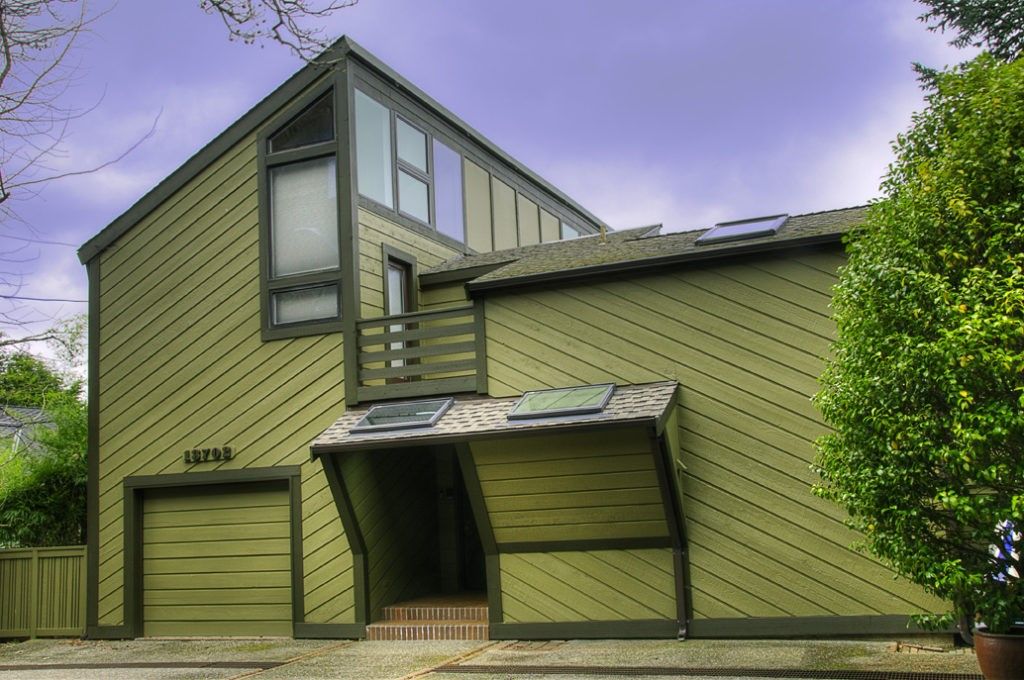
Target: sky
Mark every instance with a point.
(683, 113)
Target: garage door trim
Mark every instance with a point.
(133, 489)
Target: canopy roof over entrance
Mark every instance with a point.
(474, 417)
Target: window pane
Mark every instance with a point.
(412, 145)
(448, 191)
(569, 231)
(412, 196)
(305, 304)
(312, 126)
(373, 150)
(304, 217)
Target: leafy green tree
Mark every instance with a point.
(27, 381)
(925, 391)
(43, 496)
(997, 25)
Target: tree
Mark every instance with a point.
(27, 381)
(925, 393)
(997, 25)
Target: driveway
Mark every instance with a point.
(278, 659)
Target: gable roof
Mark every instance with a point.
(631, 249)
(256, 116)
(476, 417)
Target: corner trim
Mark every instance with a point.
(585, 630)
(92, 505)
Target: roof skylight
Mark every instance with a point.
(562, 402)
(402, 416)
(742, 229)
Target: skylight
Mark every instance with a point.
(742, 229)
(562, 402)
(402, 416)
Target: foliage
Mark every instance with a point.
(286, 22)
(997, 25)
(925, 393)
(26, 381)
(43, 496)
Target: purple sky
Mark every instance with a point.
(651, 111)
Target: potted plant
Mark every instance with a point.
(925, 388)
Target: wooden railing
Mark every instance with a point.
(421, 354)
(43, 592)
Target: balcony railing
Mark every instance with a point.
(421, 354)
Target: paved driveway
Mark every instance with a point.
(279, 659)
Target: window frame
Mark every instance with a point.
(266, 162)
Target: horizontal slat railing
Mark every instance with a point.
(43, 592)
(420, 353)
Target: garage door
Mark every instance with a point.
(216, 560)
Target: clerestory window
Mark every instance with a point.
(301, 266)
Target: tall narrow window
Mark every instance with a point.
(448, 191)
(373, 150)
(413, 172)
(400, 296)
(302, 274)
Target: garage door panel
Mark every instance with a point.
(243, 548)
(249, 579)
(222, 517)
(216, 560)
(157, 598)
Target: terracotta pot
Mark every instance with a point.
(1001, 657)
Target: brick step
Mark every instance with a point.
(467, 629)
(423, 612)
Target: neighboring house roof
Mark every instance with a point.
(473, 417)
(640, 248)
(17, 423)
(258, 114)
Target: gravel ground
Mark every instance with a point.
(332, 659)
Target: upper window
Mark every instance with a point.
(401, 167)
(742, 229)
(562, 402)
(569, 231)
(302, 271)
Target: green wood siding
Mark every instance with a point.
(374, 231)
(216, 561)
(392, 495)
(745, 342)
(444, 295)
(596, 485)
(182, 365)
(598, 585)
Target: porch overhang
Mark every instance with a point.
(474, 418)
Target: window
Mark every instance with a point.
(299, 181)
(403, 416)
(742, 229)
(403, 168)
(562, 402)
(569, 231)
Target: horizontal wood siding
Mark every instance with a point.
(570, 487)
(374, 231)
(216, 560)
(598, 585)
(182, 365)
(444, 295)
(392, 494)
(745, 341)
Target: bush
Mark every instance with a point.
(925, 391)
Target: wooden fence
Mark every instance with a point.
(42, 592)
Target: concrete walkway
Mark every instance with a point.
(277, 659)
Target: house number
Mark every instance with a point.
(204, 455)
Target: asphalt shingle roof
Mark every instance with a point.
(639, 246)
(472, 416)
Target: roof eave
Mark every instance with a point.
(651, 263)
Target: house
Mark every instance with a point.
(352, 354)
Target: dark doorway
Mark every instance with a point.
(461, 564)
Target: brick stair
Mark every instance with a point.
(455, 618)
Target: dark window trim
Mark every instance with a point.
(266, 160)
(389, 253)
(402, 165)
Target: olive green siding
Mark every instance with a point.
(745, 341)
(182, 365)
(374, 231)
(587, 486)
(217, 560)
(597, 585)
(393, 500)
(443, 295)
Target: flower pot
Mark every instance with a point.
(1001, 657)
